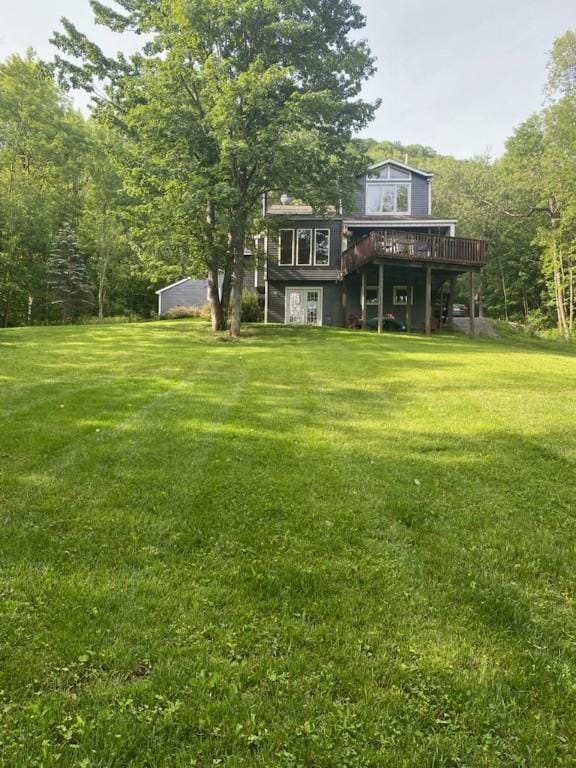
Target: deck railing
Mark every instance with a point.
(415, 246)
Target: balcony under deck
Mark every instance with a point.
(403, 246)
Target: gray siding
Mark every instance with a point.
(392, 276)
(277, 272)
(359, 203)
(260, 276)
(332, 310)
(276, 305)
(419, 204)
(192, 293)
(419, 195)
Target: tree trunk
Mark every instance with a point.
(101, 298)
(560, 308)
(102, 280)
(559, 289)
(571, 301)
(525, 306)
(7, 308)
(237, 245)
(558, 268)
(504, 289)
(217, 316)
(227, 290)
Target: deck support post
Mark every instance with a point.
(472, 312)
(428, 319)
(441, 323)
(380, 297)
(363, 300)
(450, 316)
(344, 304)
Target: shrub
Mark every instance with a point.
(205, 312)
(251, 310)
(177, 313)
(537, 320)
(108, 319)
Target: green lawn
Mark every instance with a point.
(315, 548)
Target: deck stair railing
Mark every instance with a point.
(415, 246)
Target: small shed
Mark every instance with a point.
(192, 292)
(184, 293)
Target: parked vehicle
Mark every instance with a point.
(460, 310)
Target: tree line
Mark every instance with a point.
(65, 248)
(225, 102)
(523, 204)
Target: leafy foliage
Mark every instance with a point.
(229, 100)
(252, 310)
(224, 102)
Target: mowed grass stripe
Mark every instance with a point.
(313, 547)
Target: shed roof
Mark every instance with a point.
(173, 285)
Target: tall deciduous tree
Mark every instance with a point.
(103, 224)
(538, 182)
(42, 146)
(230, 100)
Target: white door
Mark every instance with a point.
(304, 306)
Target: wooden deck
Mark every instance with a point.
(432, 249)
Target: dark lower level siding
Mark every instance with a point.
(332, 312)
(353, 307)
(395, 275)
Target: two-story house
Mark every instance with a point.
(388, 256)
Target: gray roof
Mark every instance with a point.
(398, 164)
(173, 285)
(299, 210)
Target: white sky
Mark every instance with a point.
(457, 75)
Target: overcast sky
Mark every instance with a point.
(456, 75)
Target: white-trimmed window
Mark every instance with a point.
(387, 197)
(304, 247)
(389, 172)
(286, 247)
(372, 294)
(402, 295)
(322, 247)
(388, 190)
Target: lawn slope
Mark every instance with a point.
(313, 547)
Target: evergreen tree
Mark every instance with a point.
(68, 282)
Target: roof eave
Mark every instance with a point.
(400, 165)
(173, 285)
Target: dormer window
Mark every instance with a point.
(388, 191)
